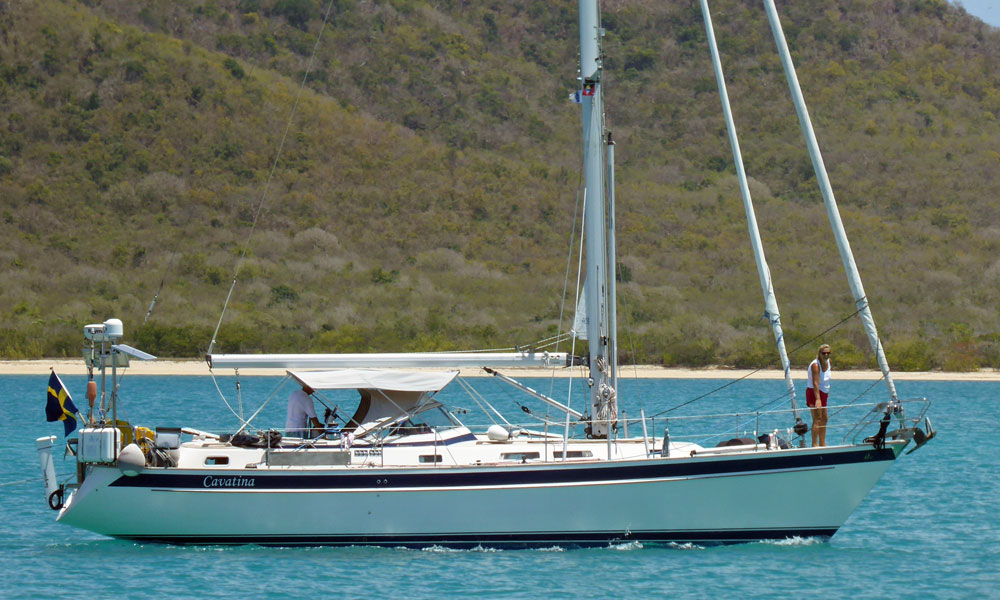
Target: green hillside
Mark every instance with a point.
(424, 194)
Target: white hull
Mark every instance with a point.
(736, 497)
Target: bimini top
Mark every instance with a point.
(387, 397)
(374, 379)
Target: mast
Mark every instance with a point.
(612, 270)
(770, 301)
(603, 397)
(846, 256)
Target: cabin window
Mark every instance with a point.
(430, 458)
(573, 454)
(217, 460)
(520, 456)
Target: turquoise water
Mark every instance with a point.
(929, 528)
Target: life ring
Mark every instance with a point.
(56, 499)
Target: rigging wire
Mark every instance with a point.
(577, 215)
(859, 396)
(631, 341)
(238, 415)
(33, 479)
(735, 381)
(266, 401)
(153, 303)
(572, 241)
(267, 183)
(784, 396)
(149, 312)
(479, 399)
(253, 226)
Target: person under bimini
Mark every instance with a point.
(818, 378)
(301, 413)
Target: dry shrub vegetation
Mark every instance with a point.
(424, 195)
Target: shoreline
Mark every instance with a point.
(196, 367)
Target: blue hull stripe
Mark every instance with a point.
(512, 475)
(505, 540)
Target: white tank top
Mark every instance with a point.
(824, 376)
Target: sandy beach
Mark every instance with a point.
(199, 367)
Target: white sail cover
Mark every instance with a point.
(374, 379)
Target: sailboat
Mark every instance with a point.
(405, 470)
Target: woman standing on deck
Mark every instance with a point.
(818, 378)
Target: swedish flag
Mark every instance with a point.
(60, 406)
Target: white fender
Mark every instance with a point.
(131, 460)
(498, 433)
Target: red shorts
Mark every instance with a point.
(811, 398)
